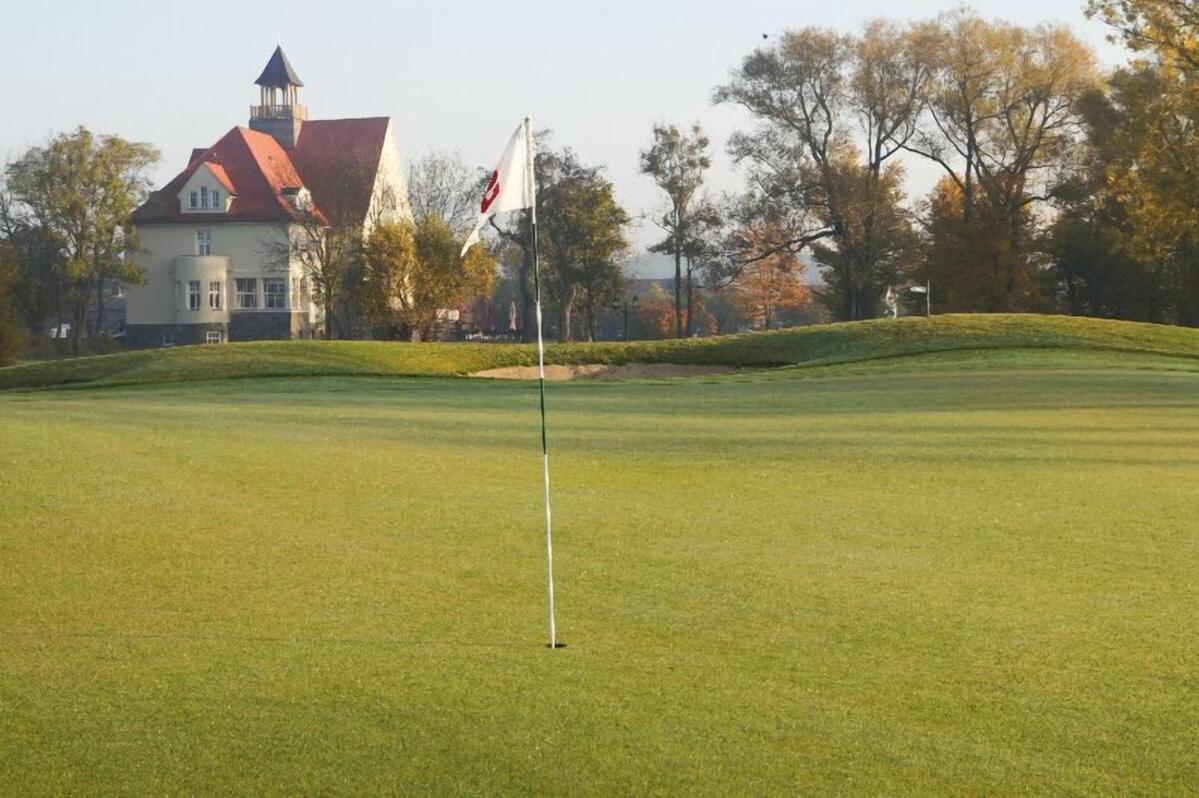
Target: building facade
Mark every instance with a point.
(227, 244)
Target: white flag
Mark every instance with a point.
(511, 185)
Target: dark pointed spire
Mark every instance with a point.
(278, 71)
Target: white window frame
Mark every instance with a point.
(216, 199)
(281, 296)
(204, 241)
(242, 294)
(193, 295)
(193, 201)
(215, 299)
(204, 197)
(214, 337)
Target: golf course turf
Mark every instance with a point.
(953, 558)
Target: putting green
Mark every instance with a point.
(968, 572)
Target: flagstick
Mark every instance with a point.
(545, 452)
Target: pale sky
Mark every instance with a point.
(456, 76)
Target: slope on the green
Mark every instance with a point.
(968, 573)
(831, 343)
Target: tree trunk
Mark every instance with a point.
(565, 315)
(678, 282)
(690, 330)
(79, 314)
(100, 309)
(590, 317)
(528, 299)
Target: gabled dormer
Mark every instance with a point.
(208, 190)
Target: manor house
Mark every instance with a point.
(228, 243)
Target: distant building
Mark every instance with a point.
(217, 240)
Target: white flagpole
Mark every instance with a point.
(545, 452)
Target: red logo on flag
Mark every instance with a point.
(493, 191)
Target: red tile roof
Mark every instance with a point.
(339, 159)
(336, 160)
(222, 176)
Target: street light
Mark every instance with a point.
(618, 306)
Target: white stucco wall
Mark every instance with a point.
(243, 246)
(389, 199)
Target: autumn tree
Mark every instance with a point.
(1001, 118)
(677, 161)
(1140, 194)
(412, 270)
(76, 194)
(831, 112)
(770, 286)
(1126, 241)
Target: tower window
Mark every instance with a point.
(193, 295)
(203, 242)
(214, 294)
(203, 197)
(193, 201)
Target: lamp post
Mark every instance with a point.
(618, 307)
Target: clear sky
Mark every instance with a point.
(454, 76)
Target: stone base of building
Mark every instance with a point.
(242, 326)
(250, 325)
(141, 336)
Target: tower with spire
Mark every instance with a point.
(279, 113)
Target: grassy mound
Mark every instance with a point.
(820, 344)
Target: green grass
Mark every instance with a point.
(820, 344)
(966, 572)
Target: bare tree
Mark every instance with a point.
(441, 185)
(326, 239)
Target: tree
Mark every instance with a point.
(39, 283)
(1163, 29)
(549, 166)
(326, 239)
(973, 262)
(1126, 241)
(443, 278)
(441, 185)
(583, 227)
(677, 162)
(382, 291)
(10, 335)
(413, 270)
(831, 111)
(1001, 118)
(79, 191)
(771, 285)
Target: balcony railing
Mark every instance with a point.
(279, 112)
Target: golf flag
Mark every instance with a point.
(510, 187)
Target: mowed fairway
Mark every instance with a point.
(968, 573)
